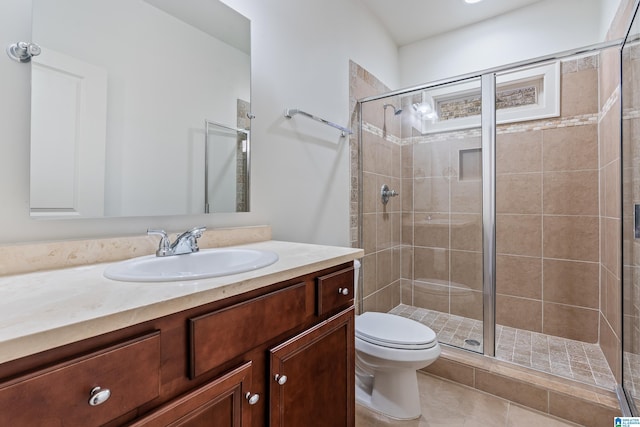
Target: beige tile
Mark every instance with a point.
(407, 228)
(579, 93)
(431, 159)
(406, 151)
(571, 322)
(610, 244)
(570, 148)
(466, 196)
(406, 262)
(388, 297)
(571, 282)
(519, 235)
(370, 192)
(612, 184)
(571, 237)
(466, 232)
(369, 233)
(513, 390)
(610, 135)
(519, 152)
(458, 372)
(407, 195)
(433, 195)
(571, 193)
(369, 149)
(523, 417)
(384, 268)
(519, 193)
(466, 303)
(466, 269)
(612, 348)
(610, 304)
(519, 313)
(431, 265)
(580, 411)
(368, 273)
(519, 276)
(609, 78)
(406, 291)
(431, 230)
(430, 296)
(472, 408)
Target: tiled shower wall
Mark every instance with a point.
(380, 165)
(547, 225)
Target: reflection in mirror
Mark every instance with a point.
(631, 216)
(227, 160)
(120, 96)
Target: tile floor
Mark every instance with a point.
(449, 404)
(558, 356)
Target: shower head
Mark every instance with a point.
(396, 111)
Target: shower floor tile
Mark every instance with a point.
(558, 356)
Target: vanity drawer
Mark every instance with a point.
(334, 291)
(60, 395)
(220, 336)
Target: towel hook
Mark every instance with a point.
(23, 51)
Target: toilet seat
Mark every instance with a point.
(392, 331)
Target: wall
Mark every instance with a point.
(381, 164)
(542, 28)
(300, 168)
(547, 226)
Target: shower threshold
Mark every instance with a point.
(562, 357)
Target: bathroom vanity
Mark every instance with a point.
(269, 347)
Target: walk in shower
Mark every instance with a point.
(501, 238)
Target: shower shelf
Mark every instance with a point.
(290, 112)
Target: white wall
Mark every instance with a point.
(542, 28)
(300, 168)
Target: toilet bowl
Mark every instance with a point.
(389, 350)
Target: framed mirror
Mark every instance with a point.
(121, 97)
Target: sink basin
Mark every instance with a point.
(199, 265)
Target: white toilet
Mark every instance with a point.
(389, 350)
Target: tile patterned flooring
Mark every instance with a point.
(445, 403)
(558, 356)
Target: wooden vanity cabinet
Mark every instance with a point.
(312, 376)
(221, 364)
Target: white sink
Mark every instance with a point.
(199, 265)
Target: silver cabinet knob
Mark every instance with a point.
(343, 291)
(98, 396)
(252, 398)
(281, 379)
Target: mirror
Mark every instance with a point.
(125, 95)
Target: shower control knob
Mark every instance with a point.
(343, 291)
(281, 379)
(252, 398)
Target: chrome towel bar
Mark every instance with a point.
(290, 112)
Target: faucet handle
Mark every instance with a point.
(197, 231)
(164, 248)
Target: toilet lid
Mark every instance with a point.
(389, 330)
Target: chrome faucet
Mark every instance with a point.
(185, 243)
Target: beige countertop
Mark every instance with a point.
(44, 310)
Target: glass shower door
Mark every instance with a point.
(442, 219)
(631, 219)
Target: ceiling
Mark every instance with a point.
(411, 20)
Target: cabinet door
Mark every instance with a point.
(313, 376)
(223, 402)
